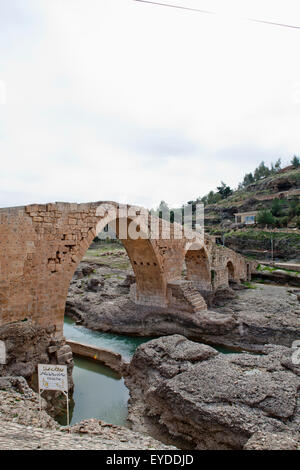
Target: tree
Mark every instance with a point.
(163, 210)
(276, 208)
(295, 161)
(210, 198)
(163, 206)
(224, 190)
(265, 217)
(294, 208)
(261, 171)
(248, 179)
(278, 164)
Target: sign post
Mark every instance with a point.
(53, 377)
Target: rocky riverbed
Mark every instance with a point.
(201, 399)
(182, 393)
(24, 427)
(246, 319)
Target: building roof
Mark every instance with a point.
(247, 213)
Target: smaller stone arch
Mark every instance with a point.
(248, 272)
(230, 271)
(198, 266)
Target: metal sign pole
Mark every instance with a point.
(68, 417)
(68, 413)
(40, 398)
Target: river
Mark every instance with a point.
(98, 391)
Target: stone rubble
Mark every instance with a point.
(17, 437)
(24, 427)
(272, 441)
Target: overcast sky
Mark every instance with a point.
(119, 100)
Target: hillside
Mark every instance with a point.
(256, 240)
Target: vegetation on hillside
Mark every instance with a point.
(258, 191)
(260, 173)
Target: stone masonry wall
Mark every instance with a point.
(42, 245)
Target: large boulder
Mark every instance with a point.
(210, 400)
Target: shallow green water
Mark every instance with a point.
(99, 392)
(124, 345)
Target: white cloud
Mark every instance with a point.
(116, 100)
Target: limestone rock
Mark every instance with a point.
(209, 399)
(273, 441)
(20, 404)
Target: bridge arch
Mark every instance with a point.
(198, 266)
(46, 244)
(150, 287)
(42, 245)
(230, 271)
(144, 259)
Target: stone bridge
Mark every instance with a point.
(42, 245)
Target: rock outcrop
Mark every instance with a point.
(27, 345)
(20, 404)
(208, 400)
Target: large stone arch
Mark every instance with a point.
(44, 245)
(144, 258)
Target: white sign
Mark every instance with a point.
(53, 377)
(2, 353)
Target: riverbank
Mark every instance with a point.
(99, 391)
(104, 356)
(24, 427)
(205, 400)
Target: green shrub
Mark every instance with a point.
(296, 220)
(276, 208)
(265, 217)
(294, 208)
(283, 221)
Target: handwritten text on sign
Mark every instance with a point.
(53, 377)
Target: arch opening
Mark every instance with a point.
(198, 268)
(147, 284)
(230, 272)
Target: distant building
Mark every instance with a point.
(245, 217)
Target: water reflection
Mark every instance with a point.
(98, 391)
